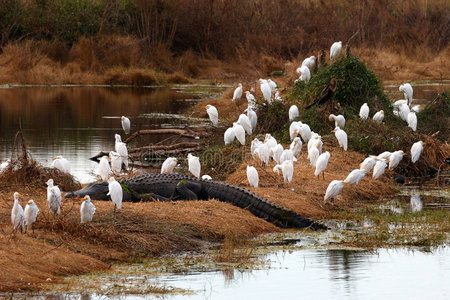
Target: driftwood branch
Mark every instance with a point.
(181, 132)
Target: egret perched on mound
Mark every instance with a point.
(252, 176)
(206, 177)
(239, 133)
(228, 136)
(270, 141)
(103, 168)
(244, 121)
(116, 162)
(276, 153)
(321, 164)
(339, 120)
(213, 114)
(263, 153)
(273, 85)
(416, 149)
(379, 116)
(333, 189)
(61, 164)
(4, 165)
(254, 145)
(17, 216)
(121, 148)
(305, 132)
(168, 165)
(252, 116)
(335, 49)
(305, 73)
(364, 111)
(341, 136)
(296, 146)
(407, 90)
(309, 62)
(115, 192)
(194, 165)
(412, 120)
(250, 99)
(126, 124)
(294, 129)
(237, 93)
(355, 176)
(368, 163)
(265, 90)
(315, 141)
(403, 112)
(395, 158)
(30, 214)
(293, 112)
(287, 154)
(53, 197)
(287, 168)
(384, 155)
(87, 210)
(313, 155)
(379, 168)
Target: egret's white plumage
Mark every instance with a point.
(30, 214)
(239, 133)
(321, 163)
(339, 120)
(296, 146)
(333, 189)
(341, 136)
(305, 132)
(244, 121)
(416, 203)
(355, 176)
(287, 169)
(384, 155)
(4, 165)
(270, 141)
(335, 49)
(379, 168)
(206, 177)
(263, 153)
(116, 161)
(252, 176)
(277, 97)
(194, 165)
(293, 112)
(228, 136)
(168, 165)
(126, 124)
(115, 192)
(276, 153)
(103, 168)
(315, 141)
(253, 117)
(364, 111)
(250, 99)
(378, 116)
(368, 163)
(265, 90)
(294, 130)
(412, 120)
(309, 62)
(61, 164)
(407, 90)
(305, 73)
(213, 114)
(121, 148)
(87, 210)
(287, 154)
(237, 93)
(416, 149)
(403, 112)
(395, 158)
(254, 145)
(415, 108)
(313, 155)
(273, 85)
(53, 197)
(17, 215)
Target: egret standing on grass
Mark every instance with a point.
(379, 116)
(103, 168)
(252, 176)
(265, 90)
(213, 114)
(293, 112)
(194, 165)
(87, 210)
(309, 62)
(333, 189)
(126, 124)
(53, 197)
(407, 90)
(30, 214)
(339, 120)
(335, 49)
(237, 93)
(416, 149)
(116, 193)
(355, 176)
(228, 136)
(287, 168)
(368, 163)
(244, 121)
(296, 146)
(239, 133)
(252, 116)
(17, 217)
(168, 165)
(395, 158)
(321, 164)
(412, 120)
(250, 99)
(364, 111)
(379, 168)
(305, 73)
(341, 136)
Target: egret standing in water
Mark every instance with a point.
(30, 214)
(416, 149)
(87, 210)
(341, 136)
(194, 165)
(53, 197)
(364, 111)
(168, 165)
(252, 176)
(116, 193)
(213, 114)
(126, 124)
(335, 50)
(17, 216)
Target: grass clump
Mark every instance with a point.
(438, 109)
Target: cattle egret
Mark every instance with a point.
(244, 121)
(252, 176)
(379, 116)
(287, 154)
(313, 155)
(254, 145)
(309, 62)
(368, 163)
(355, 176)
(335, 49)
(213, 114)
(395, 158)
(87, 210)
(266, 90)
(206, 177)
(364, 111)
(407, 90)
(237, 93)
(294, 130)
(416, 203)
(339, 120)
(333, 189)
(53, 197)
(61, 164)
(416, 149)
(103, 168)
(168, 165)
(273, 85)
(228, 136)
(341, 136)
(17, 215)
(412, 120)
(293, 112)
(384, 155)
(276, 152)
(305, 73)
(116, 161)
(287, 169)
(379, 168)
(116, 193)
(239, 133)
(250, 99)
(321, 164)
(121, 148)
(403, 112)
(126, 124)
(253, 117)
(270, 141)
(296, 146)
(194, 165)
(263, 153)
(30, 214)
(305, 132)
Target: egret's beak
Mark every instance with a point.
(84, 198)
(370, 172)
(53, 157)
(346, 182)
(334, 130)
(176, 160)
(424, 143)
(19, 195)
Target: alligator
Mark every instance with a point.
(173, 187)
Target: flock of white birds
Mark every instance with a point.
(264, 151)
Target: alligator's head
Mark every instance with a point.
(96, 190)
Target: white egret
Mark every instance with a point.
(313, 155)
(87, 210)
(305, 132)
(253, 117)
(335, 49)
(416, 203)
(116, 161)
(168, 165)
(384, 155)
(252, 176)
(315, 141)
(368, 163)
(270, 141)
(296, 146)
(254, 145)
(126, 124)
(415, 108)
(378, 116)
(293, 112)
(321, 164)
(206, 177)
(416, 149)
(305, 73)
(333, 189)
(266, 90)
(115, 192)
(399, 102)
(103, 168)
(277, 97)
(412, 120)
(273, 85)
(53, 197)
(263, 153)
(213, 114)
(294, 130)
(228, 136)
(17, 216)
(239, 133)
(250, 99)
(341, 136)
(287, 154)
(339, 120)
(194, 165)
(364, 111)
(379, 168)
(355, 176)
(395, 158)
(121, 148)
(276, 153)
(30, 214)
(403, 112)
(407, 90)
(237, 93)
(4, 165)
(244, 121)
(287, 168)
(309, 62)
(61, 164)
